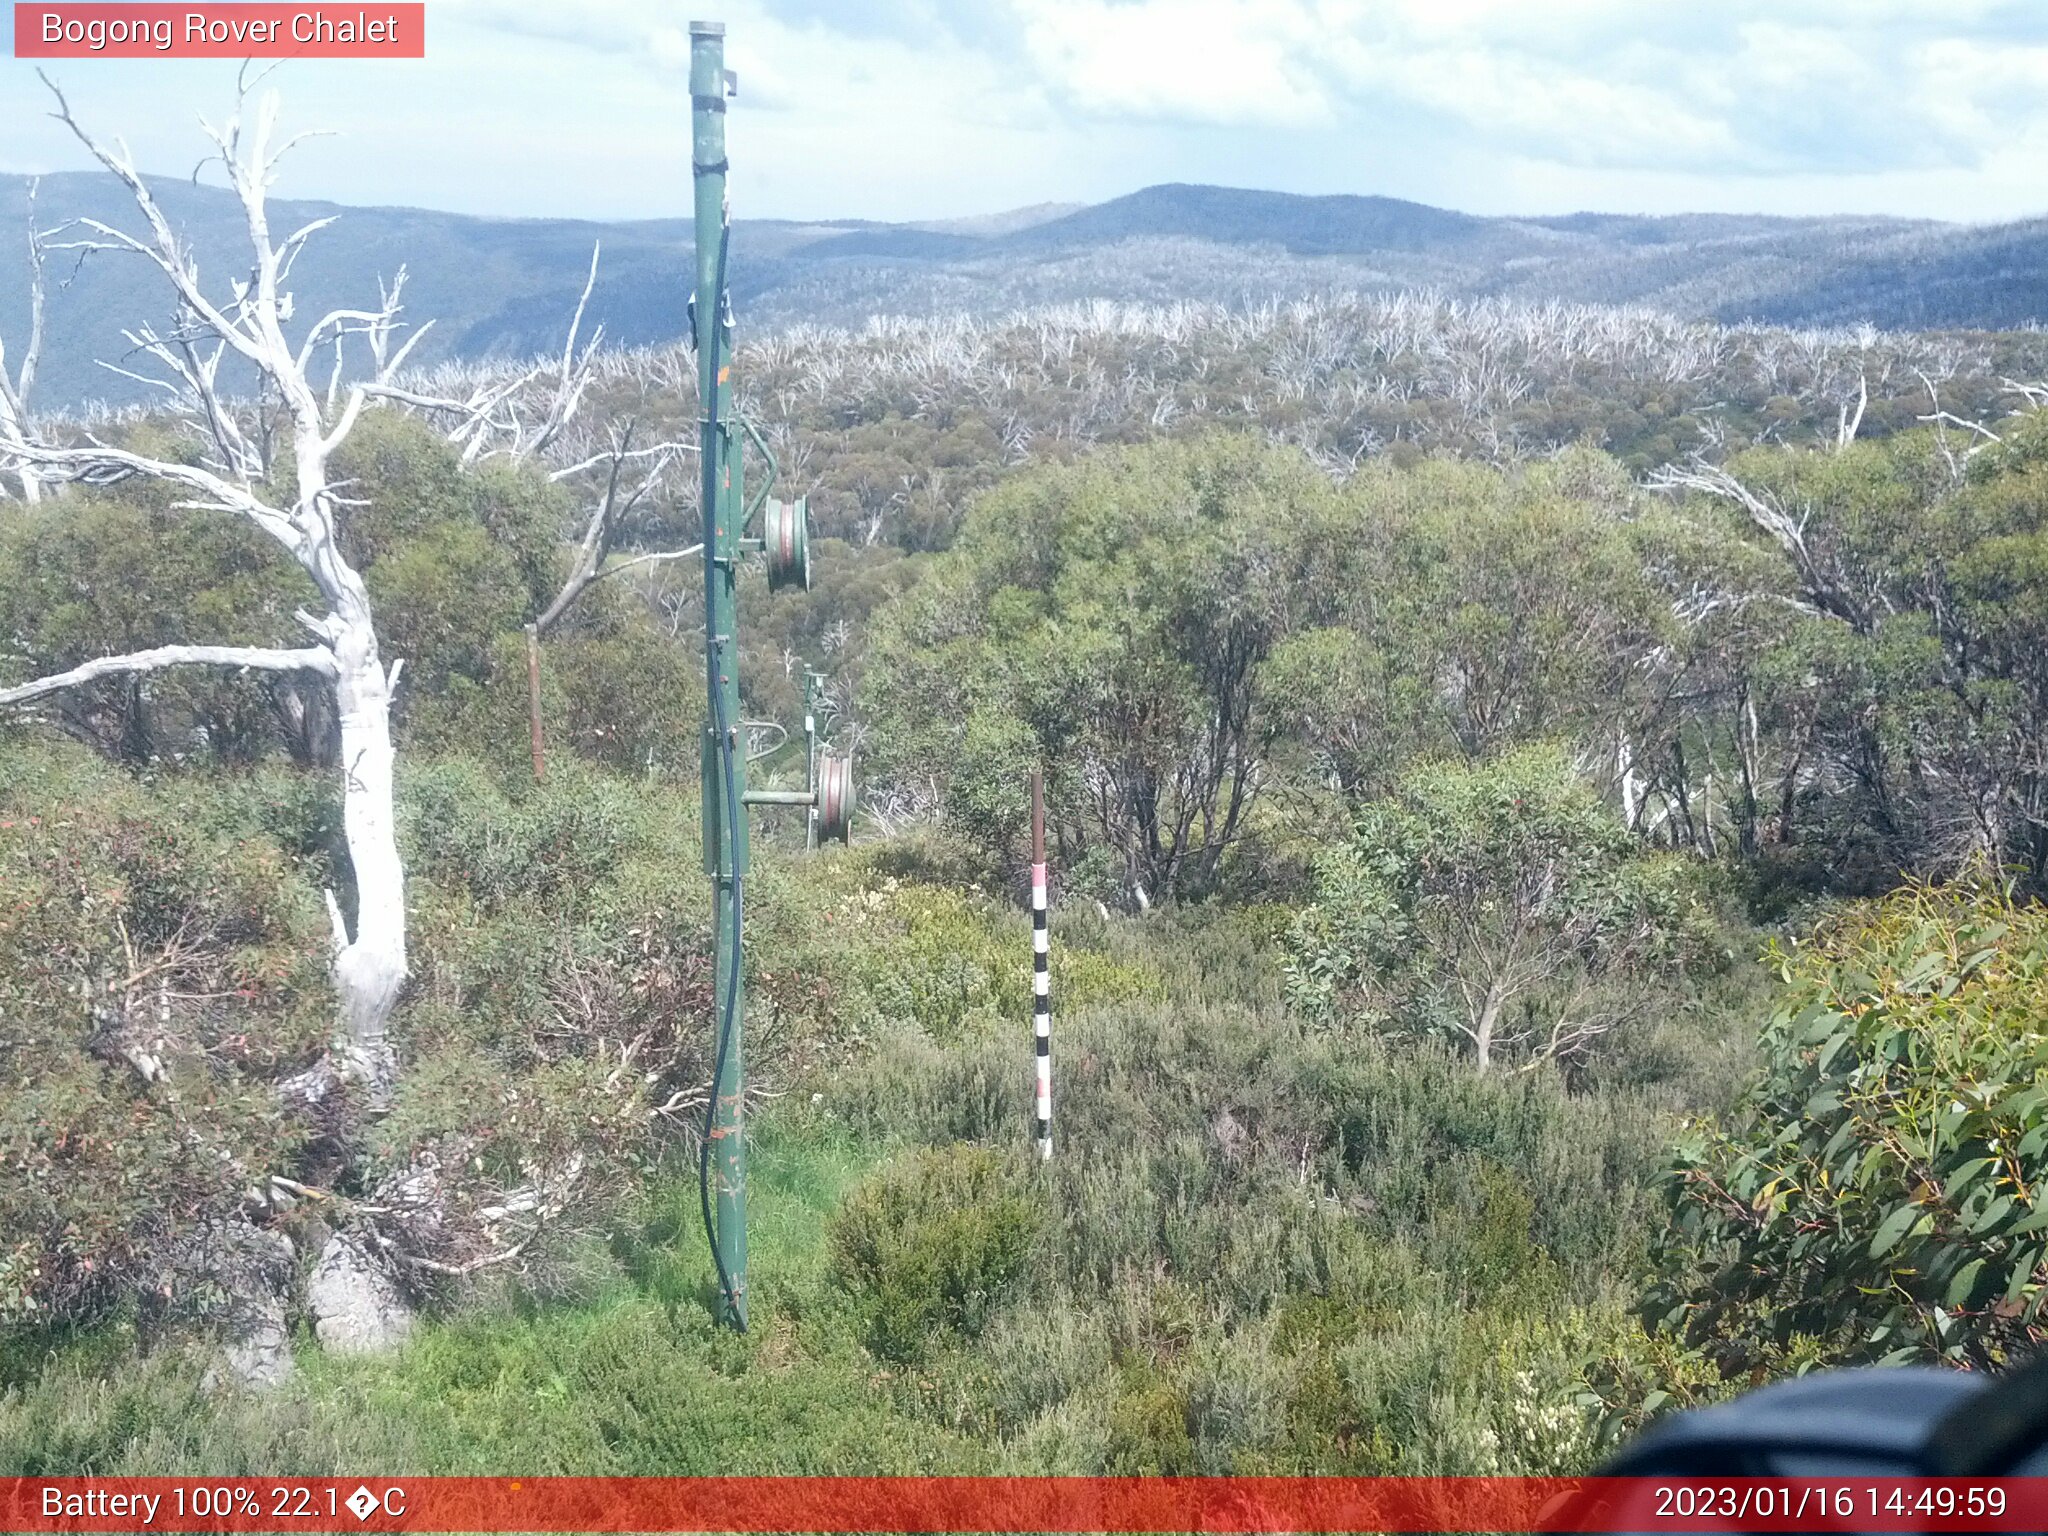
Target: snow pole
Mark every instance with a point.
(1041, 968)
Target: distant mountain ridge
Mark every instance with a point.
(1307, 226)
(505, 287)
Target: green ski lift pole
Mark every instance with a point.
(724, 1168)
(785, 540)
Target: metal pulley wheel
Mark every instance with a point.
(786, 534)
(835, 798)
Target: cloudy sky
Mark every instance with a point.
(903, 109)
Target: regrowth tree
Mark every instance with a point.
(1501, 905)
(1877, 1189)
(1110, 620)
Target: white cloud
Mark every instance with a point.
(1223, 61)
(1537, 108)
(923, 108)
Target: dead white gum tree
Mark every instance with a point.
(236, 478)
(16, 386)
(242, 466)
(268, 459)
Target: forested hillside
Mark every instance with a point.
(1546, 803)
(498, 288)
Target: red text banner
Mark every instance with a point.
(1019, 1504)
(220, 31)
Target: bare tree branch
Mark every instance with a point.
(311, 659)
(490, 422)
(575, 368)
(659, 450)
(166, 252)
(654, 558)
(97, 464)
(608, 518)
(1712, 480)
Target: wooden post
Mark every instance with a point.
(540, 756)
(1041, 973)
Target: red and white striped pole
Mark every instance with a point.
(1041, 972)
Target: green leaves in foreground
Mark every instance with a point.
(1881, 1188)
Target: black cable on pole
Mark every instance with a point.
(732, 833)
(732, 992)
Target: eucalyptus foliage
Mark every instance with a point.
(1110, 621)
(1879, 1189)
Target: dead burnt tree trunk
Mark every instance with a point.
(236, 477)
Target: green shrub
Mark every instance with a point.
(1149, 1434)
(513, 843)
(907, 1089)
(1031, 1359)
(1877, 1188)
(155, 975)
(1432, 1154)
(1233, 1145)
(929, 855)
(1221, 955)
(952, 963)
(929, 1246)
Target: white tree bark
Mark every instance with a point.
(15, 390)
(369, 964)
(370, 968)
(256, 658)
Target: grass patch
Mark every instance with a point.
(638, 1381)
